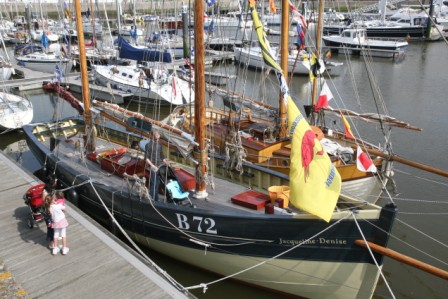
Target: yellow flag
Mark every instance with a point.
(313, 67)
(315, 183)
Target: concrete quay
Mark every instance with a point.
(97, 266)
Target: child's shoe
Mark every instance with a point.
(65, 250)
(55, 251)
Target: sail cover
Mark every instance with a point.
(315, 183)
(128, 51)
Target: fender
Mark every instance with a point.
(73, 197)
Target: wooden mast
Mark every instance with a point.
(199, 106)
(284, 41)
(89, 136)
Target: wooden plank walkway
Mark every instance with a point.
(97, 266)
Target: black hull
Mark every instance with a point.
(383, 32)
(232, 233)
(394, 33)
(270, 233)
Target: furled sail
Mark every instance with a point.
(141, 54)
(315, 183)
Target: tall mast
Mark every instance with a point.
(89, 137)
(118, 17)
(284, 41)
(199, 105)
(318, 47)
(92, 21)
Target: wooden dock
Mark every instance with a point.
(97, 266)
(33, 80)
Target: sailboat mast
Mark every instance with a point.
(199, 105)
(92, 21)
(318, 47)
(84, 79)
(284, 41)
(118, 17)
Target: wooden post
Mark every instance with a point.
(403, 258)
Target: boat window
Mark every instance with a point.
(124, 74)
(346, 34)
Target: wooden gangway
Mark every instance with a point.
(97, 266)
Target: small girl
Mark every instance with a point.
(60, 197)
(59, 226)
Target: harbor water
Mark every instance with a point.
(413, 90)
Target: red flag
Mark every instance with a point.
(348, 131)
(363, 161)
(324, 97)
(298, 16)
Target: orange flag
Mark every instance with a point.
(348, 131)
(272, 7)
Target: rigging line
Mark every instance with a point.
(163, 272)
(422, 178)
(422, 233)
(424, 213)
(419, 200)
(375, 87)
(373, 257)
(204, 285)
(408, 244)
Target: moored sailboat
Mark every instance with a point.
(289, 251)
(15, 111)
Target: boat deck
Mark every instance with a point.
(217, 199)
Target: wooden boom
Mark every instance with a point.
(403, 258)
(399, 159)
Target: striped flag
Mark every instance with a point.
(324, 97)
(363, 161)
(347, 128)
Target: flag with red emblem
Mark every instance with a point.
(315, 183)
